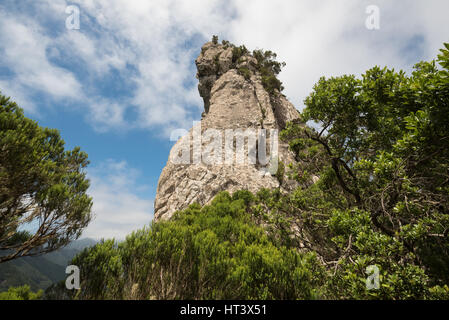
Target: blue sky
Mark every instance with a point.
(121, 83)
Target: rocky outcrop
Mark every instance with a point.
(219, 152)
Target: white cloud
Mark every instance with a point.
(155, 33)
(94, 54)
(329, 37)
(147, 44)
(117, 208)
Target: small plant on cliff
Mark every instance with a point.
(226, 44)
(382, 198)
(238, 52)
(269, 68)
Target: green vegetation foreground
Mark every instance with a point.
(42, 187)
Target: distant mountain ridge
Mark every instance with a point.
(41, 271)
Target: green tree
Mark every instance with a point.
(42, 187)
(382, 198)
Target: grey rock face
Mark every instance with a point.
(207, 160)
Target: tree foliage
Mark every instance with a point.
(382, 198)
(269, 68)
(21, 293)
(214, 252)
(41, 185)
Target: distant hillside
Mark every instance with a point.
(41, 271)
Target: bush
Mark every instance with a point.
(269, 68)
(214, 252)
(382, 196)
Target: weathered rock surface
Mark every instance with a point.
(193, 174)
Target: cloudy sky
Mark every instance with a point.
(119, 84)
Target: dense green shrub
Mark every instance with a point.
(214, 252)
(269, 68)
(238, 52)
(20, 293)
